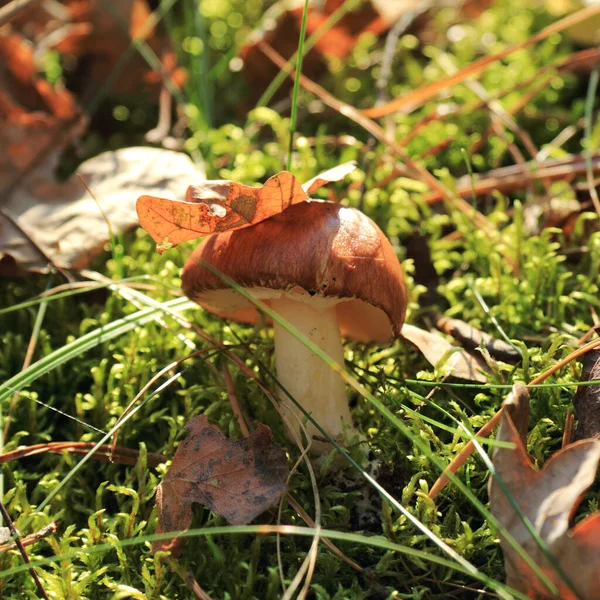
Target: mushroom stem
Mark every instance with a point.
(313, 384)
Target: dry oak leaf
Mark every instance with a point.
(587, 399)
(459, 363)
(237, 479)
(548, 498)
(215, 206)
(36, 119)
(97, 34)
(66, 224)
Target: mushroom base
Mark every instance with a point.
(316, 386)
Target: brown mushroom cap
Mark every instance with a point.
(311, 249)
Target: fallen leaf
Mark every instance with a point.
(236, 479)
(459, 363)
(97, 34)
(63, 220)
(34, 115)
(215, 206)
(548, 499)
(587, 399)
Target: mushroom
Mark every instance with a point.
(326, 269)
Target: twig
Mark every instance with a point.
(32, 538)
(306, 518)
(417, 98)
(515, 177)
(569, 425)
(189, 579)
(233, 400)
(19, 543)
(124, 456)
(13, 8)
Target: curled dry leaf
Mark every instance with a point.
(459, 363)
(548, 498)
(587, 399)
(215, 206)
(336, 174)
(237, 479)
(66, 223)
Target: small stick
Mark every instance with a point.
(189, 579)
(306, 518)
(195, 587)
(124, 456)
(19, 544)
(462, 456)
(569, 425)
(31, 538)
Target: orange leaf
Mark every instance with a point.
(548, 498)
(219, 205)
(237, 479)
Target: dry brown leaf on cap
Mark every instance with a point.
(236, 479)
(548, 498)
(66, 223)
(587, 399)
(458, 362)
(215, 206)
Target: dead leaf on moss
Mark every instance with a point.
(215, 206)
(97, 34)
(34, 115)
(65, 222)
(587, 399)
(237, 479)
(548, 498)
(458, 362)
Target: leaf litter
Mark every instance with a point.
(45, 223)
(587, 399)
(67, 224)
(236, 479)
(548, 498)
(439, 352)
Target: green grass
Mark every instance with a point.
(96, 350)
